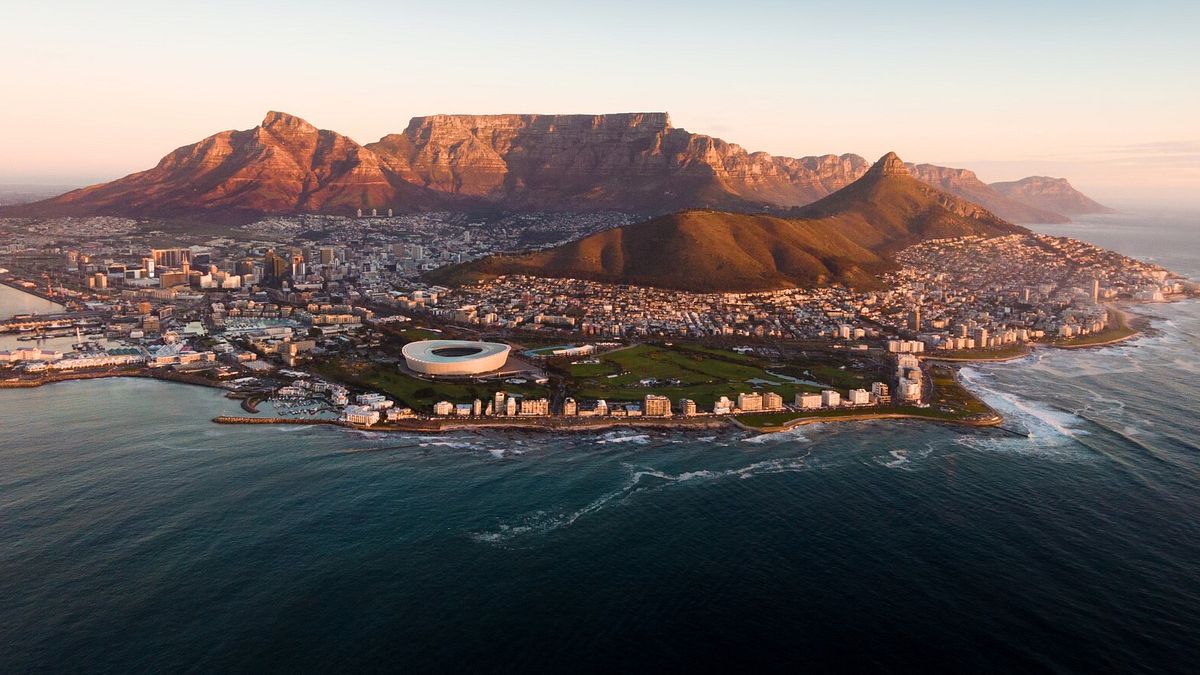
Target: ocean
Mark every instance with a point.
(13, 302)
(135, 535)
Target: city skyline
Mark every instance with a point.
(107, 92)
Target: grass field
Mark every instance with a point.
(951, 397)
(1005, 352)
(700, 373)
(412, 392)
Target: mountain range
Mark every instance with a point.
(635, 162)
(846, 237)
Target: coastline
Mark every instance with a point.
(1129, 326)
(994, 421)
(543, 424)
(978, 359)
(145, 373)
(1136, 325)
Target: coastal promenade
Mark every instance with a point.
(993, 421)
(553, 424)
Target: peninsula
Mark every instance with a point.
(854, 306)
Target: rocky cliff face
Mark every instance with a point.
(632, 161)
(628, 161)
(967, 185)
(284, 165)
(1055, 194)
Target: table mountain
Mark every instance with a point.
(626, 161)
(634, 162)
(846, 237)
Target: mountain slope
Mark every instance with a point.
(1055, 194)
(284, 165)
(635, 162)
(630, 161)
(846, 237)
(965, 184)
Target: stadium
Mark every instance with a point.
(454, 357)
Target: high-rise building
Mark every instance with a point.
(244, 268)
(298, 267)
(570, 408)
(656, 406)
(914, 319)
(750, 402)
(687, 407)
(723, 406)
(275, 267)
(534, 406)
(498, 402)
(171, 257)
(772, 401)
(830, 399)
(808, 401)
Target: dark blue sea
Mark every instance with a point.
(136, 536)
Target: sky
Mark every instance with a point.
(1104, 93)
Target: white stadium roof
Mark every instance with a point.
(454, 357)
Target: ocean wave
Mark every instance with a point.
(370, 435)
(619, 437)
(899, 458)
(789, 436)
(1051, 431)
(639, 480)
(453, 444)
(903, 458)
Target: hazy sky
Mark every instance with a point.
(1105, 93)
